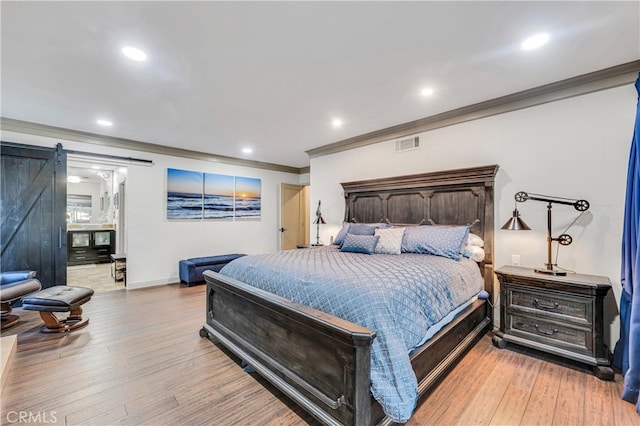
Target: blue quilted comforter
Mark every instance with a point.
(397, 296)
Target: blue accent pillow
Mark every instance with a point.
(339, 239)
(357, 229)
(362, 229)
(446, 241)
(360, 243)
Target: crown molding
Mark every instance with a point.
(607, 78)
(27, 127)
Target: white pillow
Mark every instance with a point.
(473, 252)
(475, 240)
(390, 241)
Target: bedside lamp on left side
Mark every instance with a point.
(318, 221)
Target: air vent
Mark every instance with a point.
(408, 144)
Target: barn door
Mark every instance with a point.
(33, 199)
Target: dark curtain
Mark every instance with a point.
(627, 351)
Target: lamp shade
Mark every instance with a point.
(515, 223)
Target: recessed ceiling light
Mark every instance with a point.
(247, 150)
(427, 91)
(336, 122)
(106, 123)
(535, 41)
(134, 53)
(73, 179)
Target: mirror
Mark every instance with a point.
(78, 208)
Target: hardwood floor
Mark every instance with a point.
(96, 276)
(140, 361)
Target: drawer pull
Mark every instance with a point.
(546, 306)
(545, 332)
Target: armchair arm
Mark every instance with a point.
(18, 289)
(13, 276)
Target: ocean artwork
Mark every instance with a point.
(197, 195)
(218, 196)
(184, 194)
(248, 197)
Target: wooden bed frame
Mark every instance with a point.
(322, 362)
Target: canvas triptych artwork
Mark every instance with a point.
(197, 195)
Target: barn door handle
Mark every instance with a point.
(59, 236)
(282, 229)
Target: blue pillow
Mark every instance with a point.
(362, 229)
(339, 239)
(357, 229)
(444, 241)
(360, 243)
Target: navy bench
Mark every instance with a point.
(191, 269)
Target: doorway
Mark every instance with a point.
(95, 223)
(294, 216)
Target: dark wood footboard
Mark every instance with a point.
(320, 361)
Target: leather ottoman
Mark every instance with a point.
(60, 298)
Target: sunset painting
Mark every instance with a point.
(197, 195)
(247, 197)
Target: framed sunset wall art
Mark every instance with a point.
(248, 198)
(198, 195)
(184, 194)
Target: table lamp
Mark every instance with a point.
(318, 221)
(515, 223)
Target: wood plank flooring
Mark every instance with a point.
(96, 276)
(140, 361)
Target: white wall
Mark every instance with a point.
(575, 148)
(155, 244)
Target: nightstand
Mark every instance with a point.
(561, 315)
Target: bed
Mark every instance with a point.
(323, 362)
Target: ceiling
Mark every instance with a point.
(271, 76)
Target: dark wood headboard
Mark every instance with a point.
(450, 197)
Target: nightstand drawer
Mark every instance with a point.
(550, 304)
(552, 333)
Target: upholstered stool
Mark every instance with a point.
(60, 298)
(191, 269)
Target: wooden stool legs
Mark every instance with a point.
(8, 320)
(54, 325)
